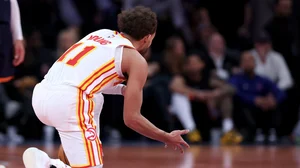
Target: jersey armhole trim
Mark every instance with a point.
(118, 60)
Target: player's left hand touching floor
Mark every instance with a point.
(175, 140)
(19, 52)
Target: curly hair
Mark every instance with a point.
(137, 22)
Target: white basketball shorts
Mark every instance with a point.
(76, 117)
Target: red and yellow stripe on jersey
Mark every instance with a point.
(85, 117)
(105, 68)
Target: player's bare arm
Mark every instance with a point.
(136, 68)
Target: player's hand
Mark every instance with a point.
(175, 140)
(19, 52)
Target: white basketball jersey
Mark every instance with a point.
(92, 64)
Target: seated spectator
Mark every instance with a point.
(257, 97)
(219, 61)
(156, 95)
(271, 64)
(194, 86)
(172, 65)
(66, 38)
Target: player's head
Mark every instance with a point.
(140, 25)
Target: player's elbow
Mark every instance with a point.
(131, 121)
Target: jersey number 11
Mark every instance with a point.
(76, 59)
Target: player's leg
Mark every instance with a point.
(71, 112)
(83, 148)
(51, 106)
(35, 158)
(62, 155)
(82, 151)
(99, 100)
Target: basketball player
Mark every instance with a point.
(70, 97)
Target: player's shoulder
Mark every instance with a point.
(132, 54)
(132, 57)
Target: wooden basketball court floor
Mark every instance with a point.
(195, 157)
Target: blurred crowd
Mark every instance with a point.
(213, 64)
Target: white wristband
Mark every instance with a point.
(116, 90)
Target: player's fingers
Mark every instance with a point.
(185, 144)
(180, 148)
(182, 132)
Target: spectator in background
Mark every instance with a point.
(180, 101)
(270, 64)
(257, 98)
(163, 9)
(257, 14)
(41, 15)
(38, 58)
(173, 57)
(65, 40)
(202, 28)
(281, 29)
(200, 17)
(172, 65)
(283, 33)
(218, 60)
(156, 95)
(88, 16)
(193, 84)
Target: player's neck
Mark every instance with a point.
(135, 43)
